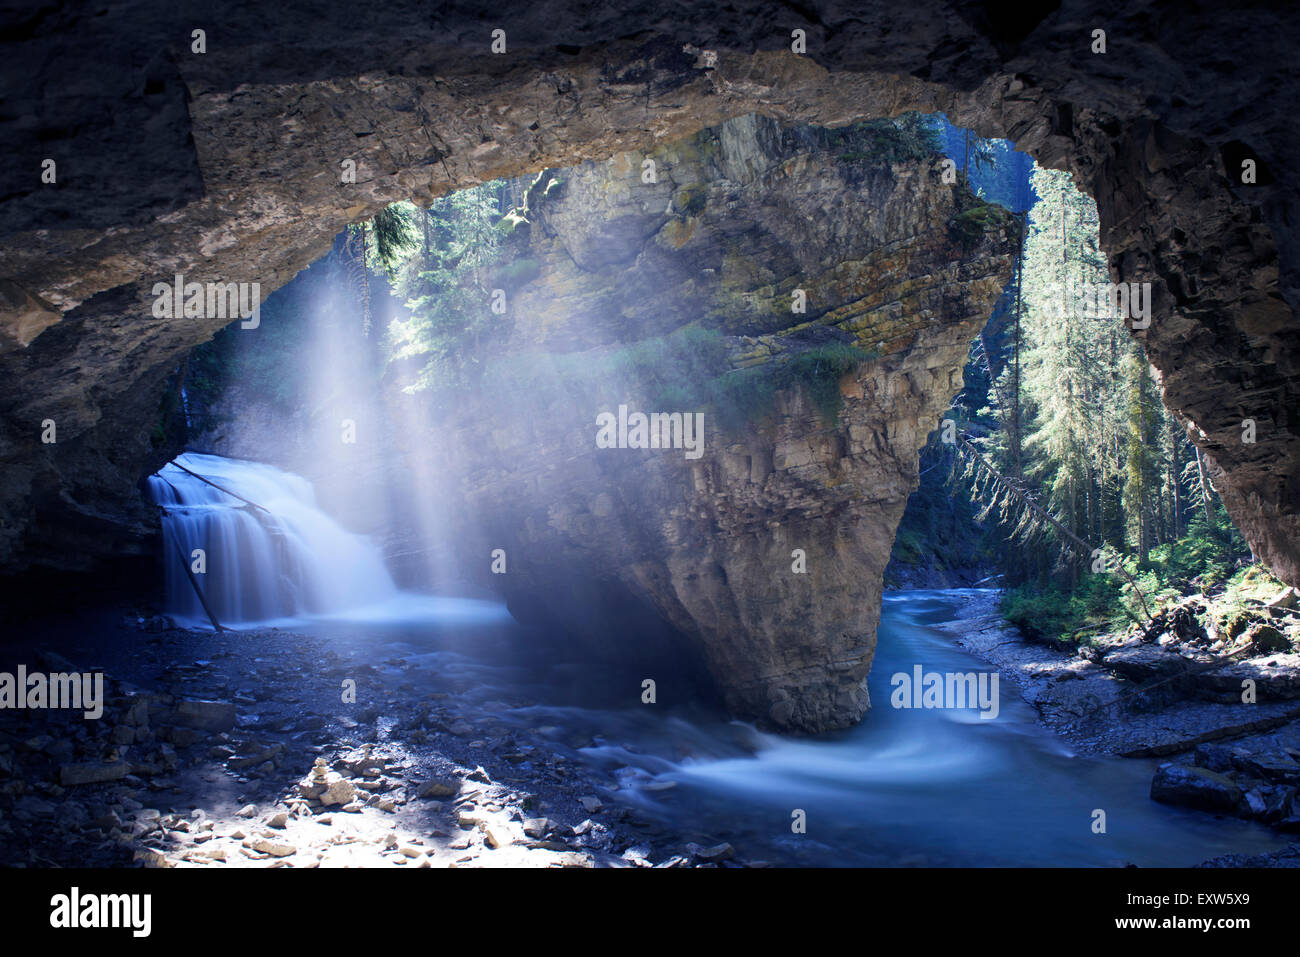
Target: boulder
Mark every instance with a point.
(1194, 787)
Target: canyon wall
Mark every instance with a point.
(758, 552)
(224, 164)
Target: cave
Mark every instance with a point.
(743, 194)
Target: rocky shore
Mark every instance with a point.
(238, 750)
(273, 748)
(1175, 689)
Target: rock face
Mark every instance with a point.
(761, 556)
(224, 165)
(765, 550)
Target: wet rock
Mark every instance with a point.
(1275, 768)
(590, 804)
(1216, 757)
(1194, 787)
(1279, 804)
(712, 855)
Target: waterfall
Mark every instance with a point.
(270, 556)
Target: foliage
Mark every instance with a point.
(448, 282)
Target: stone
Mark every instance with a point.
(537, 827)
(338, 791)
(1265, 640)
(590, 804)
(1194, 787)
(206, 715)
(93, 773)
(279, 821)
(1276, 768)
(1215, 757)
(438, 788)
(711, 855)
(469, 818)
(274, 848)
(248, 810)
(150, 857)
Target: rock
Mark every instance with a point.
(279, 821)
(71, 775)
(537, 827)
(1265, 640)
(497, 835)
(184, 737)
(1275, 768)
(438, 788)
(339, 790)
(1253, 803)
(1215, 757)
(1288, 598)
(274, 848)
(248, 810)
(469, 818)
(1279, 803)
(590, 804)
(711, 855)
(1194, 787)
(150, 857)
(206, 715)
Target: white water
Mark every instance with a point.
(285, 560)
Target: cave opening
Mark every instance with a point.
(419, 529)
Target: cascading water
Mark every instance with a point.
(269, 552)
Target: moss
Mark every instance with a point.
(969, 226)
(691, 200)
(511, 221)
(746, 395)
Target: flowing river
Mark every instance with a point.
(904, 787)
(924, 787)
